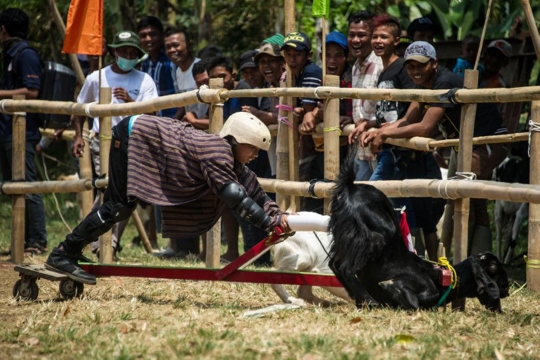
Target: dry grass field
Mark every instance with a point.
(128, 318)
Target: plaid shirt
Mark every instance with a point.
(365, 76)
(163, 73)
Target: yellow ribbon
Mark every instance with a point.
(101, 137)
(333, 128)
(531, 264)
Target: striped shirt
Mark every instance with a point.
(183, 170)
(163, 72)
(365, 76)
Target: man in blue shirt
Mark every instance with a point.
(22, 72)
(157, 65)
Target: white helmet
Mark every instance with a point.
(246, 128)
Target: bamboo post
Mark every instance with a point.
(105, 131)
(85, 171)
(331, 136)
(213, 237)
(282, 153)
(461, 207)
(533, 261)
(18, 206)
(532, 26)
(294, 162)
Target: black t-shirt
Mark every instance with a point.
(488, 120)
(393, 77)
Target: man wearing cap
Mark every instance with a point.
(271, 65)
(422, 66)
(336, 64)
(128, 85)
(421, 29)
(497, 56)
(297, 53)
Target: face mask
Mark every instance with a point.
(125, 64)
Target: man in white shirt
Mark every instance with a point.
(127, 84)
(178, 49)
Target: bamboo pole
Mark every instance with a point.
(500, 95)
(446, 189)
(105, 127)
(331, 136)
(62, 28)
(142, 232)
(213, 237)
(294, 161)
(462, 205)
(526, 5)
(18, 173)
(47, 187)
(533, 261)
(282, 153)
(85, 171)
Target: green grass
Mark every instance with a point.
(127, 318)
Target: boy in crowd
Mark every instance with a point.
(337, 52)
(422, 29)
(178, 48)
(469, 50)
(157, 65)
(422, 66)
(297, 53)
(365, 74)
(497, 56)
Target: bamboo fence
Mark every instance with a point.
(454, 189)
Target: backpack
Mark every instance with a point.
(57, 84)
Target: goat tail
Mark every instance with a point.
(362, 221)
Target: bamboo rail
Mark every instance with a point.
(517, 94)
(446, 189)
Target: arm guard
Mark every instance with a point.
(235, 197)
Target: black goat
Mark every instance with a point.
(370, 259)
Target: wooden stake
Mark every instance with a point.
(213, 237)
(282, 153)
(461, 208)
(18, 173)
(85, 171)
(331, 136)
(105, 132)
(532, 26)
(533, 265)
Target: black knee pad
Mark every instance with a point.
(121, 212)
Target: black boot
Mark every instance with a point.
(63, 262)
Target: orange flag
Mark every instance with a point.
(84, 30)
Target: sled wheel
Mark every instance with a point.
(71, 288)
(25, 290)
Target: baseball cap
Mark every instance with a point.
(274, 39)
(337, 38)
(503, 46)
(422, 23)
(420, 51)
(297, 40)
(268, 49)
(246, 59)
(126, 38)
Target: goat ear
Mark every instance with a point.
(487, 288)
